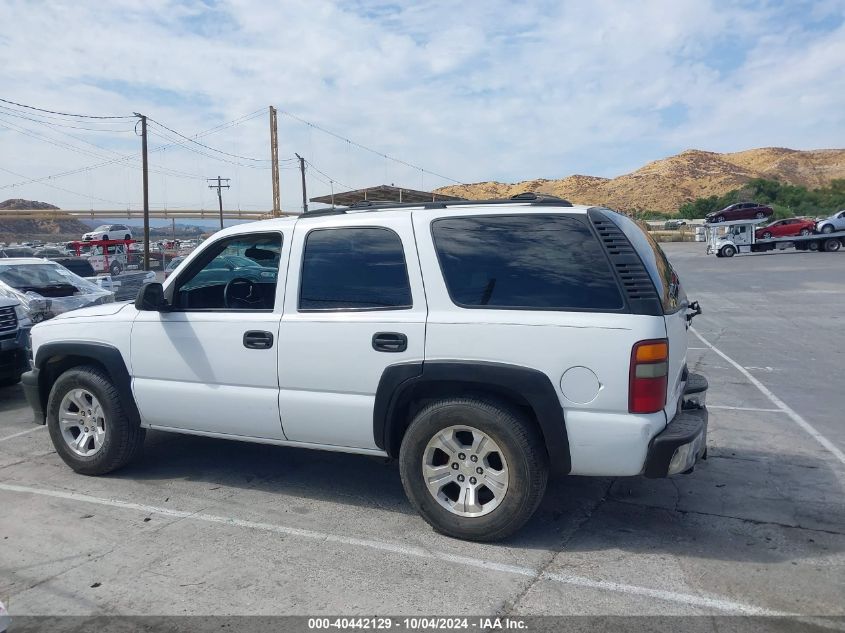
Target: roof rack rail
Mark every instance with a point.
(364, 205)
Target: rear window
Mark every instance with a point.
(666, 281)
(535, 262)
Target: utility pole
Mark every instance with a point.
(304, 194)
(145, 169)
(274, 159)
(219, 186)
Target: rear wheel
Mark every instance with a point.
(832, 245)
(805, 232)
(115, 269)
(759, 215)
(721, 218)
(127, 237)
(91, 429)
(728, 251)
(474, 469)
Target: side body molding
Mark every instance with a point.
(403, 384)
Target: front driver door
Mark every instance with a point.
(210, 364)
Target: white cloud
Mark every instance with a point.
(474, 91)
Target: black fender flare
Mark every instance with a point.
(400, 384)
(51, 360)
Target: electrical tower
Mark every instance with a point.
(274, 159)
(219, 186)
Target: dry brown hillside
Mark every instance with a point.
(663, 185)
(13, 229)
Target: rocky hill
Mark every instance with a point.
(663, 185)
(59, 225)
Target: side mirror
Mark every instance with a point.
(151, 298)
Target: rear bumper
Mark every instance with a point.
(683, 442)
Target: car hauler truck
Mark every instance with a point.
(739, 236)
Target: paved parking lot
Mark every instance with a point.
(201, 526)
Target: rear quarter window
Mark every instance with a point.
(533, 262)
(664, 277)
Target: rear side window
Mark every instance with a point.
(355, 268)
(665, 280)
(536, 262)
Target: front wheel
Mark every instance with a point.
(804, 232)
(827, 228)
(474, 469)
(721, 218)
(759, 215)
(767, 235)
(728, 251)
(91, 429)
(115, 269)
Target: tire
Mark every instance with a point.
(767, 235)
(122, 437)
(827, 228)
(728, 251)
(814, 246)
(804, 232)
(759, 215)
(115, 269)
(721, 218)
(127, 237)
(105, 237)
(832, 245)
(522, 464)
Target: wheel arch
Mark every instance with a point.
(406, 387)
(53, 359)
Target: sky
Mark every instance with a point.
(469, 91)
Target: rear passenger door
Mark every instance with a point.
(354, 306)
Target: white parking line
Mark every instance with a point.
(716, 603)
(723, 406)
(14, 435)
(780, 404)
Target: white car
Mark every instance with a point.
(484, 345)
(109, 232)
(836, 222)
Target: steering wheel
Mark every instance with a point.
(241, 292)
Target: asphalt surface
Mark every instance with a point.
(202, 526)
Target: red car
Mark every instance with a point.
(785, 228)
(740, 211)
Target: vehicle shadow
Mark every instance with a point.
(729, 498)
(11, 398)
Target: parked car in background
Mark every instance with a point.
(17, 251)
(14, 341)
(109, 232)
(46, 289)
(836, 222)
(173, 265)
(671, 225)
(785, 228)
(740, 211)
(48, 253)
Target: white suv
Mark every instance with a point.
(483, 344)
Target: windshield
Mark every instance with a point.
(35, 276)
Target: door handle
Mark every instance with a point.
(257, 339)
(390, 342)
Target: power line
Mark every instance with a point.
(369, 149)
(17, 114)
(70, 191)
(208, 147)
(78, 116)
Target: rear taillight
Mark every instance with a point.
(649, 376)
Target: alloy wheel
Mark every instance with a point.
(465, 471)
(82, 422)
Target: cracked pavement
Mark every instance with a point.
(760, 523)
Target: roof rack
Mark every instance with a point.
(365, 205)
